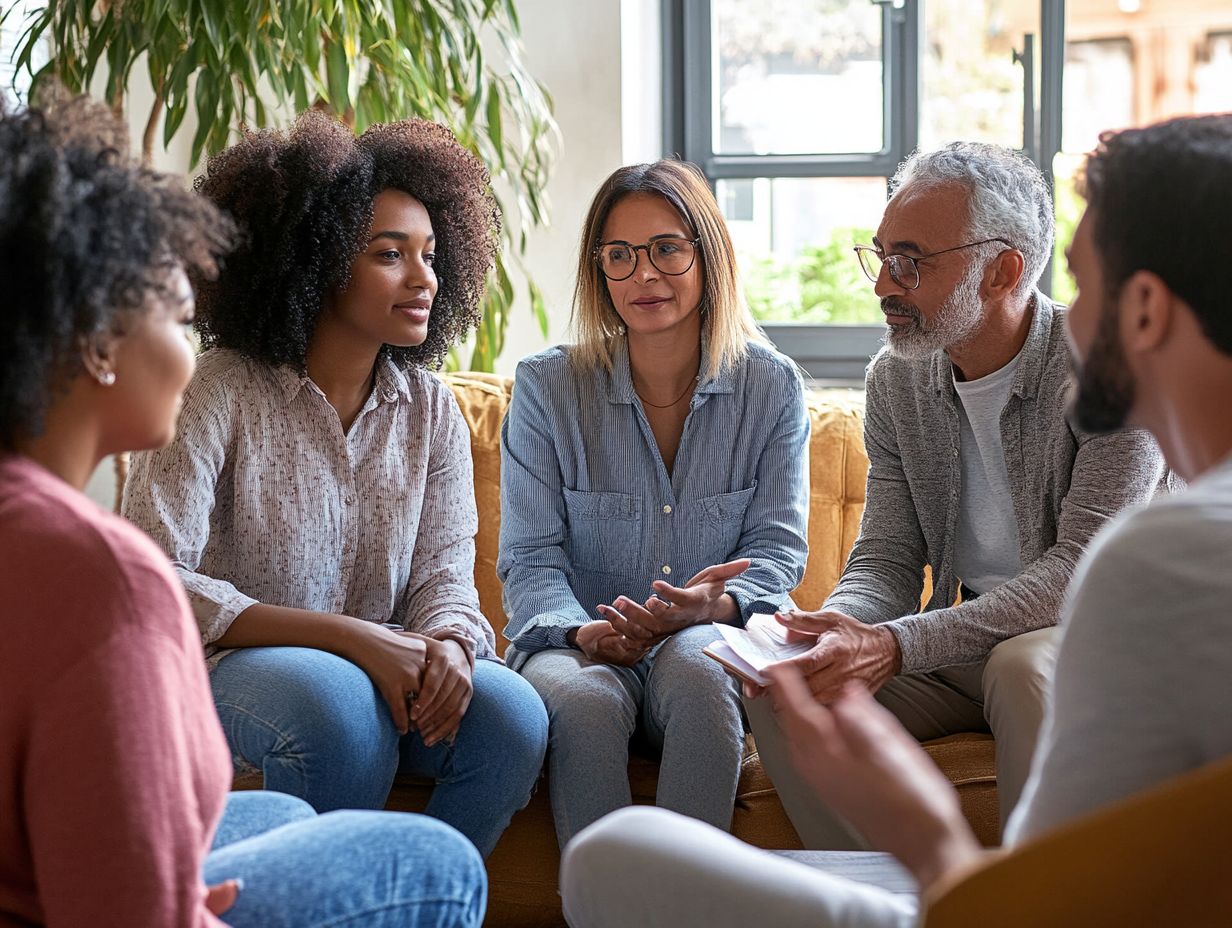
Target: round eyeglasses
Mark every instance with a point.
(671, 256)
(904, 269)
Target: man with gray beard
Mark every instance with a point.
(974, 471)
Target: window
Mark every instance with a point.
(14, 83)
(799, 111)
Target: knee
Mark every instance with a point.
(605, 859)
(324, 705)
(1021, 667)
(271, 808)
(433, 860)
(507, 717)
(590, 699)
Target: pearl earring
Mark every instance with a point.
(106, 378)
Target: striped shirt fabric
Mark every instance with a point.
(262, 497)
(589, 511)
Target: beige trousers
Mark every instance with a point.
(1005, 694)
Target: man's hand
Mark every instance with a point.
(869, 770)
(847, 651)
(601, 642)
(446, 691)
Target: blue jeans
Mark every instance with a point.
(370, 869)
(681, 701)
(316, 727)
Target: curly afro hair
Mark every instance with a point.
(85, 235)
(304, 202)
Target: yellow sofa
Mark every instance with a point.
(523, 868)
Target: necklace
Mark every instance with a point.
(687, 389)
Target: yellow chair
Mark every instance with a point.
(1162, 858)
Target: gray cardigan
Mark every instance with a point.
(1065, 485)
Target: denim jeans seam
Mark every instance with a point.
(350, 917)
(284, 738)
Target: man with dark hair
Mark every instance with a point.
(974, 471)
(1140, 688)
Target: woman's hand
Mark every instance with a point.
(394, 661)
(446, 691)
(601, 642)
(703, 599)
(222, 896)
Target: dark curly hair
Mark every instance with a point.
(1160, 197)
(85, 234)
(304, 200)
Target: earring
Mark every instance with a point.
(106, 378)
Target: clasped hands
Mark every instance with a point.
(629, 630)
(427, 682)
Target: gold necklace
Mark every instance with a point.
(688, 387)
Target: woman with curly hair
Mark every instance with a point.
(318, 502)
(653, 484)
(113, 768)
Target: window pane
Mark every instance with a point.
(797, 77)
(793, 239)
(1132, 63)
(971, 87)
(1098, 91)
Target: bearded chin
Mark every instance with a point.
(1104, 390)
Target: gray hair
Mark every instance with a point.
(1009, 198)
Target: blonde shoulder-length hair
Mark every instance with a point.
(727, 325)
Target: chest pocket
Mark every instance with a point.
(605, 530)
(722, 522)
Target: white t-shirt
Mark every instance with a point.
(1144, 671)
(986, 549)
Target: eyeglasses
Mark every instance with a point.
(904, 269)
(671, 256)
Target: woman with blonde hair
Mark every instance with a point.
(668, 443)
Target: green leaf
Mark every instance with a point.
(338, 76)
(494, 123)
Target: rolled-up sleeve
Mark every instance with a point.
(441, 598)
(775, 536)
(170, 494)
(533, 564)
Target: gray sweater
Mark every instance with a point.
(1065, 485)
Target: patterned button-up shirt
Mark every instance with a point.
(589, 511)
(262, 497)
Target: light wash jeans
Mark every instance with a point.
(316, 727)
(653, 869)
(680, 700)
(344, 869)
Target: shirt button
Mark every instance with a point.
(350, 500)
(667, 569)
(667, 510)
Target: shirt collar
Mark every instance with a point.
(389, 384)
(620, 382)
(1033, 356)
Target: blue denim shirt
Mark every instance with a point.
(589, 512)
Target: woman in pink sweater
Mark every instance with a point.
(113, 769)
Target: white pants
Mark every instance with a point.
(1007, 694)
(650, 867)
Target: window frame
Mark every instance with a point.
(836, 352)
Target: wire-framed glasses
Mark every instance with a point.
(669, 255)
(904, 269)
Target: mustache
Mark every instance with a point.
(893, 306)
